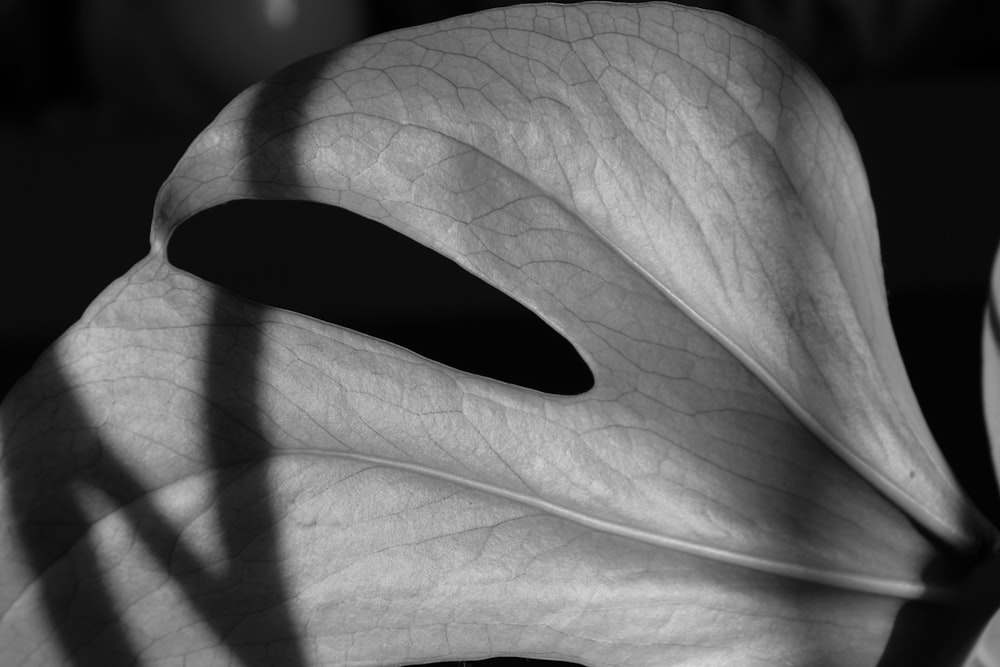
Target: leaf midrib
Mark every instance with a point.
(884, 586)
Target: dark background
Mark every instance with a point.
(101, 97)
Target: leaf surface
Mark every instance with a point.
(991, 364)
(987, 649)
(189, 474)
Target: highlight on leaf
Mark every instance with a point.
(748, 480)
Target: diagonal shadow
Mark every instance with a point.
(245, 604)
(251, 594)
(42, 487)
(46, 482)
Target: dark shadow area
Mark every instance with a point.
(339, 267)
(939, 335)
(47, 478)
(18, 355)
(44, 482)
(917, 639)
(251, 599)
(243, 602)
(252, 587)
(928, 633)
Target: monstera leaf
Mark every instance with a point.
(192, 478)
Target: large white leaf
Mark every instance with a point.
(192, 476)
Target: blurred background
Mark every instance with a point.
(101, 97)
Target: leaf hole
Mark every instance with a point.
(336, 266)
